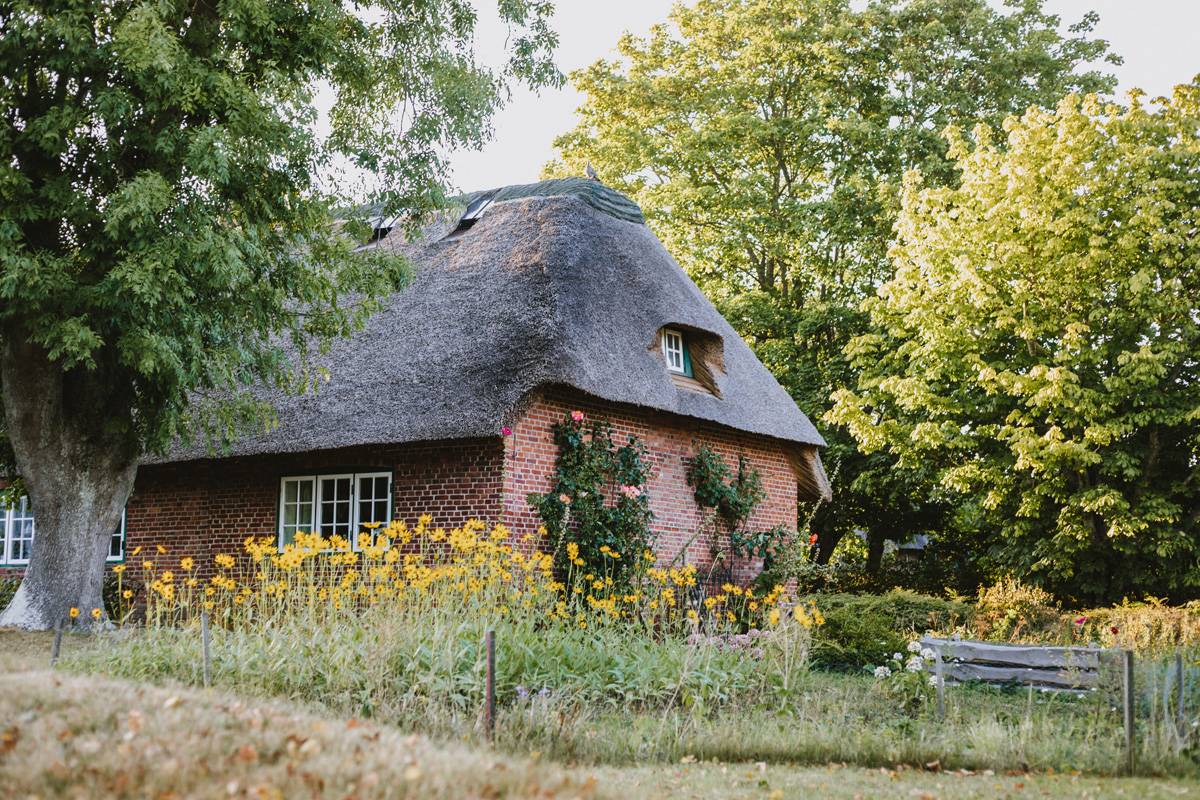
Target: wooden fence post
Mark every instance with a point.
(490, 711)
(1180, 724)
(57, 642)
(941, 684)
(204, 641)
(1129, 701)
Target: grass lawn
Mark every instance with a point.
(71, 735)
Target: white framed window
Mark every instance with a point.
(337, 504)
(116, 544)
(16, 535)
(17, 532)
(675, 351)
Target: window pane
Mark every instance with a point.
(335, 506)
(21, 532)
(372, 500)
(116, 544)
(296, 511)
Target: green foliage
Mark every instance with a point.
(766, 141)
(8, 588)
(169, 207)
(1037, 344)
(597, 500)
(865, 630)
(733, 497)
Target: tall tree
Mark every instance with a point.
(1040, 345)
(767, 140)
(166, 230)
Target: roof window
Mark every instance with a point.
(469, 218)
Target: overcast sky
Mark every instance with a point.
(1157, 38)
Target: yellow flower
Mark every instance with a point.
(127, 594)
(147, 565)
(74, 612)
(118, 569)
(96, 613)
(186, 563)
(136, 550)
(774, 616)
(162, 550)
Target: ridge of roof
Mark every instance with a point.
(593, 192)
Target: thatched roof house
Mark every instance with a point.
(540, 299)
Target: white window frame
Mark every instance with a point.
(9, 516)
(672, 347)
(119, 533)
(317, 501)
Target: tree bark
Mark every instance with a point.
(78, 465)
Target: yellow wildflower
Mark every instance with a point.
(74, 612)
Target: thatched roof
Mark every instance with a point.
(557, 284)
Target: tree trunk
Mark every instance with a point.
(78, 466)
(875, 542)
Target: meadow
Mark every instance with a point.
(640, 689)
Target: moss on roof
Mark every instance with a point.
(594, 193)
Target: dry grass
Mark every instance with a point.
(73, 736)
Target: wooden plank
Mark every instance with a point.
(1034, 656)
(993, 673)
(684, 382)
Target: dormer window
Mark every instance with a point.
(675, 350)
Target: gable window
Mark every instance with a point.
(675, 350)
(17, 529)
(338, 504)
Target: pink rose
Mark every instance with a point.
(631, 491)
(506, 432)
(562, 498)
(577, 416)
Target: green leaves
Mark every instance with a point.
(167, 218)
(1034, 354)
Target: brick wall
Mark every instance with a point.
(202, 508)
(531, 452)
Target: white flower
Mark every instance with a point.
(897, 656)
(933, 681)
(915, 664)
(928, 653)
(914, 647)
(883, 672)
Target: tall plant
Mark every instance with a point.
(597, 500)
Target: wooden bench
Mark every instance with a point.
(1036, 665)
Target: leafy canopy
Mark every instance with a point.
(166, 210)
(1039, 345)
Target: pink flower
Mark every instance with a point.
(1081, 620)
(562, 498)
(506, 432)
(631, 491)
(577, 416)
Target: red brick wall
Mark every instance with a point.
(531, 454)
(202, 508)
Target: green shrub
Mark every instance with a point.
(8, 588)
(865, 630)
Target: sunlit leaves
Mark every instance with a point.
(1043, 321)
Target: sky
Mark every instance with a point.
(1157, 38)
